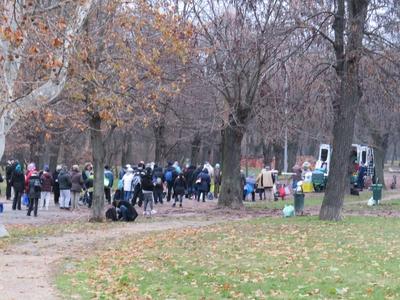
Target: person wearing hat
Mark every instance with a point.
(76, 186)
(127, 182)
(18, 183)
(47, 182)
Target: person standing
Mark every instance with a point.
(34, 190)
(147, 186)
(170, 175)
(18, 183)
(127, 181)
(179, 189)
(265, 183)
(217, 180)
(46, 181)
(158, 184)
(76, 186)
(9, 170)
(64, 181)
(56, 186)
(204, 183)
(108, 183)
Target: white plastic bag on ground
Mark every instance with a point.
(288, 211)
(371, 202)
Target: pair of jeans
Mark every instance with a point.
(203, 196)
(44, 200)
(169, 193)
(17, 200)
(147, 200)
(178, 198)
(107, 193)
(65, 198)
(128, 195)
(8, 190)
(74, 200)
(158, 197)
(33, 205)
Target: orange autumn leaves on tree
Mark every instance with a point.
(137, 60)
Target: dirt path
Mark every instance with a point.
(26, 269)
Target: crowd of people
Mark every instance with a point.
(142, 184)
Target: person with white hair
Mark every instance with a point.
(127, 182)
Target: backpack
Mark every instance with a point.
(37, 186)
(136, 180)
(168, 176)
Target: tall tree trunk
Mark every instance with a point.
(195, 149)
(394, 156)
(278, 154)
(231, 190)
(293, 148)
(345, 102)
(380, 142)
(98, 168)
(267, 153)
(160, 143)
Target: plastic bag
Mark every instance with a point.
(25, 199)
(288, 211)
(371, 202)
(282, 192)
(287, 191)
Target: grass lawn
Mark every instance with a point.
(311, 199)
(266, 258)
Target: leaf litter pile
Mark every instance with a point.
(265, 258)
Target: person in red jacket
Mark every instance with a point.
(31, 170)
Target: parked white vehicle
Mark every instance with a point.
(364, 155)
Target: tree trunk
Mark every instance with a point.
(345, 102)
(231, 190)
(278, 153)
(293, 148)
(267, 153)
(380, 142)
(98, 168)
(160, 144)
(394, 156)
(195, 149)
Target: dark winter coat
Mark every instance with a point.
(47, 181)
(18, 181)
(76, 181)
(34, 186)
(205, 181)
(158, 173)
(190, 179)
(180, 185)
(64, 180)
(56, 186)
(9, 172)
(131, 214)
(147, 183)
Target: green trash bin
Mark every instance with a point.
(377, 192)
(298, 203)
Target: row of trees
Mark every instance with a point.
(180, 76)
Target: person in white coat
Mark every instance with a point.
(127, 181)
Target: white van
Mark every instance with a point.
(363, 154)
